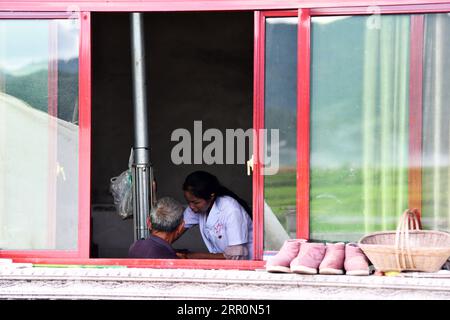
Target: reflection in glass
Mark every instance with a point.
(280, 113)
(436, 123)
(39, 134)
(359, 125)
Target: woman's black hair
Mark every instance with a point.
(202, 184)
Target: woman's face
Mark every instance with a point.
(198, 205)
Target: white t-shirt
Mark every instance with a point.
(227, 224)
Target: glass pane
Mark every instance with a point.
(359, 125)
(38, 134)
(280, 114)
(436, 123)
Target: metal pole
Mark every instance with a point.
(141, 164)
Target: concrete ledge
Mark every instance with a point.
(143, 283)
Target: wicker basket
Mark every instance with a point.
(407, 248)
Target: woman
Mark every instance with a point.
(223, 218)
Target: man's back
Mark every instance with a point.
(152, 248)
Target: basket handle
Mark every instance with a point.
(408, 221)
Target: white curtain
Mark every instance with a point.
(385, 122)
(436, 123)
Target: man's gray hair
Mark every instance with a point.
(166, 215)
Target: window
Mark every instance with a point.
(280, 113)
(376, 147)
(39, 134)
(377, 118)
(436, 122)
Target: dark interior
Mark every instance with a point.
(199, 66)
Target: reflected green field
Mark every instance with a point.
(280, 193)
(337, 202)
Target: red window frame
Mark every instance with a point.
(302, 192)
(16, 9)
(84, 132)
(329, 7)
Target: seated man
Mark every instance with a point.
(166, 225)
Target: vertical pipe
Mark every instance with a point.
(141, 149)
(141, 165)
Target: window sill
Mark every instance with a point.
(147, 283)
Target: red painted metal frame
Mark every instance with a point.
(279, 13)
(203, 5)
(84, 153)
(258, 124)
(415, 113)
(84, 171)
(303, 122)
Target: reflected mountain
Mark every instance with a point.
(30, 84)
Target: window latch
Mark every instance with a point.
(250, 166)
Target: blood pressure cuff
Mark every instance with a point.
(236, 252)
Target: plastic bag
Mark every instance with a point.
(122, 191)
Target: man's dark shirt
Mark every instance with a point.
(152, 248)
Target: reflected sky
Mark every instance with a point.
(24, 44)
